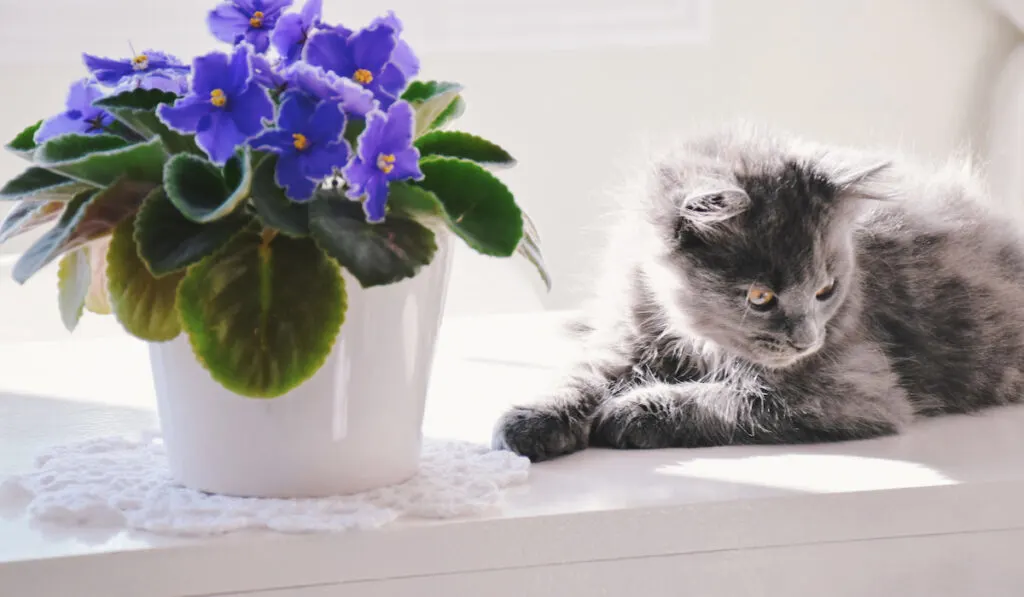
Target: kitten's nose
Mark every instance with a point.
(803, 338)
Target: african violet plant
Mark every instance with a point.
(221, 199)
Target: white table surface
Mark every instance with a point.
(936, 511)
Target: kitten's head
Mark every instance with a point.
(754, 241)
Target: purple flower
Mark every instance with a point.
(267, 74)
(174, 83)
(403, 56)
(308, 140)
(294, 29)
(363, 57)
(225, 106)
(327, 86)
(248, 20)
(80, 116)
(149, 63)
(385, 154)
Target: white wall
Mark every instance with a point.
(912, 72)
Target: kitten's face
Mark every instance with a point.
(764, 282)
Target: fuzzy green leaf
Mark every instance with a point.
(73, 279)
(431, 100)
(169, 242)
(452, 112)
(143, 304)
(375, 254)
(274, 208)
(480, 208)
(413, 201)
(202, 191)
(137, 110)
(97, 299)
(102, 159)
(90, 215)
(263, 313)
(27, 215)
(35, 181)
(24, 145)
(454, 144)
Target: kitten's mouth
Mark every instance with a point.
(776, 356)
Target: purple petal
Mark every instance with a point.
(106, 70)
(376, 200)
(296, 110)
(264, 73)
(250, 108)
(311, 11)
(185, 114)
(273, 140)
(355, 99)
(397, 133)
(239, 70)
(288, 37)
(320, 161)
(220, 139)
(275, 7)
(405, 59)
(81, 95)
(372, 137)
(392, 80)
(407, 165)
(209, 72)
(289, 175)
(371, 48)
(175, 84)
(330, 50)
(358, 174)
(59, 125)
(259, 38)
(326, 123)
(228, 22)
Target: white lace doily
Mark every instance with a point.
(119, 482)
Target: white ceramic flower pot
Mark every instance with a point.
(355, 425)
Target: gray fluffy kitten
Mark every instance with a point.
(762, 289)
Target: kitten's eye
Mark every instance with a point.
(826, 292)
(761, 298)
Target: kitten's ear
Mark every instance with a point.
(858, 176)
(708, 206)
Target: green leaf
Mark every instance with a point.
(529, 248)
(480, 208)
(274, 208)
(376, 254)
(73, 279)
(455, 144)
(102, 159)
(199, 189)
(97, 299)
(263, 313)
(431, 100)
(38, 180)
(143, 304)
(454, 110)
(90, 215)
(137, 110)
(25, 144)
(414, 201)
(27, 215)
(169, 242)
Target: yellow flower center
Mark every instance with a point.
(386, 163)
(257, 20)
(140, 62)
(300, 141)
(363, 76)
(217, 98)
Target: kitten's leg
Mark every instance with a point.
(560, 424)
(694, 414)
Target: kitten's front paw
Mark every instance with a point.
(635, 420)
(539, 433)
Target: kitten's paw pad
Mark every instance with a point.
(538, 433)
(632, 422)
